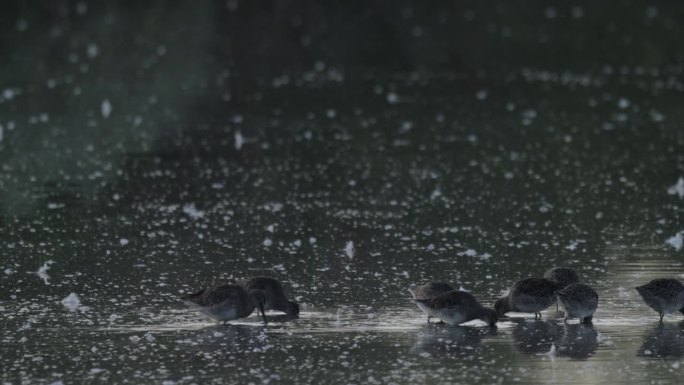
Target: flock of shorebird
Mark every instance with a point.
(440, 300)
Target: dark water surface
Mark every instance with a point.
(350, 150)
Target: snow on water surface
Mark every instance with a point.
(349, 250)
(71, 302)
(677, 188)
(42, 271)
(676, 241)
(106, 108)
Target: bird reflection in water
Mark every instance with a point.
(579, 341)
(536, 337)
(663, 341)
(226, 342)
(436, 341)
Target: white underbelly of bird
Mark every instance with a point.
(427, 310)
(220, 313)
(450, 316)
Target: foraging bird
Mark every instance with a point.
(275, 296)
(456, 307)
(663, 295)
(579, 300)
(427, 291)
(227, 302)
(564, 275)
(529, 295)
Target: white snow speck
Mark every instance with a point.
(92, 50)
(392, 98)
(123, 241)
(8, 93)
(274, 207)
(349, 249)
(192, 211)
(622, 292)
(42, 271)
(677, 188)
(81, 8)
(268, 242)
(473, 253)
(657, 116)
(677, 242)
(71, 302)
(239, 140)
(106, 108)
(623, 103)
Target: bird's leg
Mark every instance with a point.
(428, 319)
(661, 317)
(263, 313)
(565, 319)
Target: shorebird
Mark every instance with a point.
(226, 302)
(579, 300)
(564, 275)
(275, 297)
(427, 291)
(663, 295)
(456, 307)
(529, 295)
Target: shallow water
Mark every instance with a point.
(350, 151)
